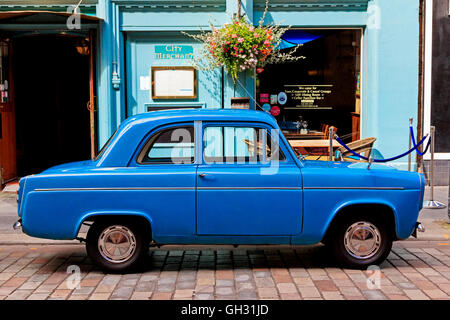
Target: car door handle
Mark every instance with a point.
(202, 175)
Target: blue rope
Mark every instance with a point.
(381, 160)
(414, 142)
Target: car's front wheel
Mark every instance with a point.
(358, 242)
(116, 246)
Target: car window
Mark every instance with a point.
(173, 145)
(228, 144)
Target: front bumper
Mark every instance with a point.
(18, 225)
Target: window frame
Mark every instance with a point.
(147, 143)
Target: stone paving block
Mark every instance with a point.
(38, 296)
(287, 288)
(224, 283)
(245, 286)
(204, 296)
(247, 295)
(122, 293)
(19, 294)
(325, 285)
(14, 282)
(224, 291)
(6, 275)
(78, 297)
(265, 293)
(242, 277)
(332, 295)
(290, 296)
(141, 295)
(374, 295)
(30, 285)
(60, 294)
(99, 296)
(162, 296)
(264, 282)
(350, 291)
(303, 281)
(184, 293)
(415, 294)
(436, 294)
(309, 292)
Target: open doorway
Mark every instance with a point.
(51, 78)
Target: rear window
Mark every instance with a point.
(171, 146)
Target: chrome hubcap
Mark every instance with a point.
(362, 240)
(117, 244)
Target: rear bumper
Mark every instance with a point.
(419, 227)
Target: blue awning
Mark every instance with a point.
(294, 37)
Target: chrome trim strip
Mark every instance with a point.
(115, 189)
(166, 188)
(249, 188)
(215, 188)
(357, 188)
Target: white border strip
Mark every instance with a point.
(428, 77)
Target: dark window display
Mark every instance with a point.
(321, 90)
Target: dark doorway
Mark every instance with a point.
(51, 93)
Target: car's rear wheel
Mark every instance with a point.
(117, 246)
(358, 242)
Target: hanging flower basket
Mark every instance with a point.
(240, 46)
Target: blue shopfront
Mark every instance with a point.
(360, 73)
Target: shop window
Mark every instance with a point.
(318, 91)
(240, 145)
(174, 146)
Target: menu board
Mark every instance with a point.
(309, 96)
(174, 83)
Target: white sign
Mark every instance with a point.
(173, 83)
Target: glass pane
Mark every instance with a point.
(172, 146)
(239, 145)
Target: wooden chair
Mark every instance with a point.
(362, 147)
(324, 128)
(260, 148)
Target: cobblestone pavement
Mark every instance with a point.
(414, 270)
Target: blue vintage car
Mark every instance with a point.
(218, 177)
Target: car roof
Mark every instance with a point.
(135, 128)
(206, 115)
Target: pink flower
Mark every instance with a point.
(251, 29)
(241, 40)
(234, 36)
(256, 35)
(267, 42)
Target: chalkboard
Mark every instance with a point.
(440, 94)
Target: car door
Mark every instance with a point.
(164, 183)
(246, 184)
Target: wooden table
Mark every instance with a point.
(313, 146)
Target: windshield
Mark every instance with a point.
(102, 150)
